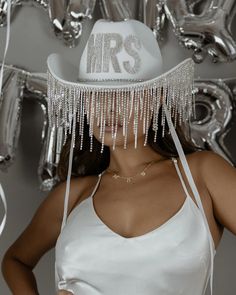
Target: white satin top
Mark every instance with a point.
(172, 259)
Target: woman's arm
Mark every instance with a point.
(38, 238)
(220, 179)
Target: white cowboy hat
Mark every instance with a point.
(118, 57)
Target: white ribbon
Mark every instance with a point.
(3, 198)
(67, 193)
(7, 41)
(2, 195)
(193, 187)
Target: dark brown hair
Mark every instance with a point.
(92, 163)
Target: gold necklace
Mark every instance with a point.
(129, 178)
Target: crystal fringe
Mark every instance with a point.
(69, 102)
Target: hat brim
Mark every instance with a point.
(66, 73)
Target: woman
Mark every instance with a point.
(132, 221)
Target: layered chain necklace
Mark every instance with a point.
(130, 178)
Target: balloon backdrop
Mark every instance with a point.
(203, 26)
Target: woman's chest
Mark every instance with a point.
(88, 250)
(136, 209)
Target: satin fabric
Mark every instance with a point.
(172, 259)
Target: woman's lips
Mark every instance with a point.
(106, 125)
(109, 128)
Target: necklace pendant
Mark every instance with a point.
(128, 179)
(143, 173)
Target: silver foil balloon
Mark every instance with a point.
(18, 85)
(56, 10)
(4, 8)
(10, 114)
(77, 11)
(206, 33)
(116, 10)
(14, 4)
(67, 17)
(198, 6)
(214, 111)
(36, 90)
(49, 159)
(152, 14)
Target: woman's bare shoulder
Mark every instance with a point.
(206, 159)
(79, 187)
(199, 158)
(205, 163)
(219, 177)
(76, 186)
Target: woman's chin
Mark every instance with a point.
(119, 141)
(120, 138)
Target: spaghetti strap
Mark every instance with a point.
(180, 177)
(97, 183)
(193, 188)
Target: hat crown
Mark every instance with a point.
(120, 51)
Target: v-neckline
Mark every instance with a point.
(143, 236)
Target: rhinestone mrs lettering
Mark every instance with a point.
(103, 49)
